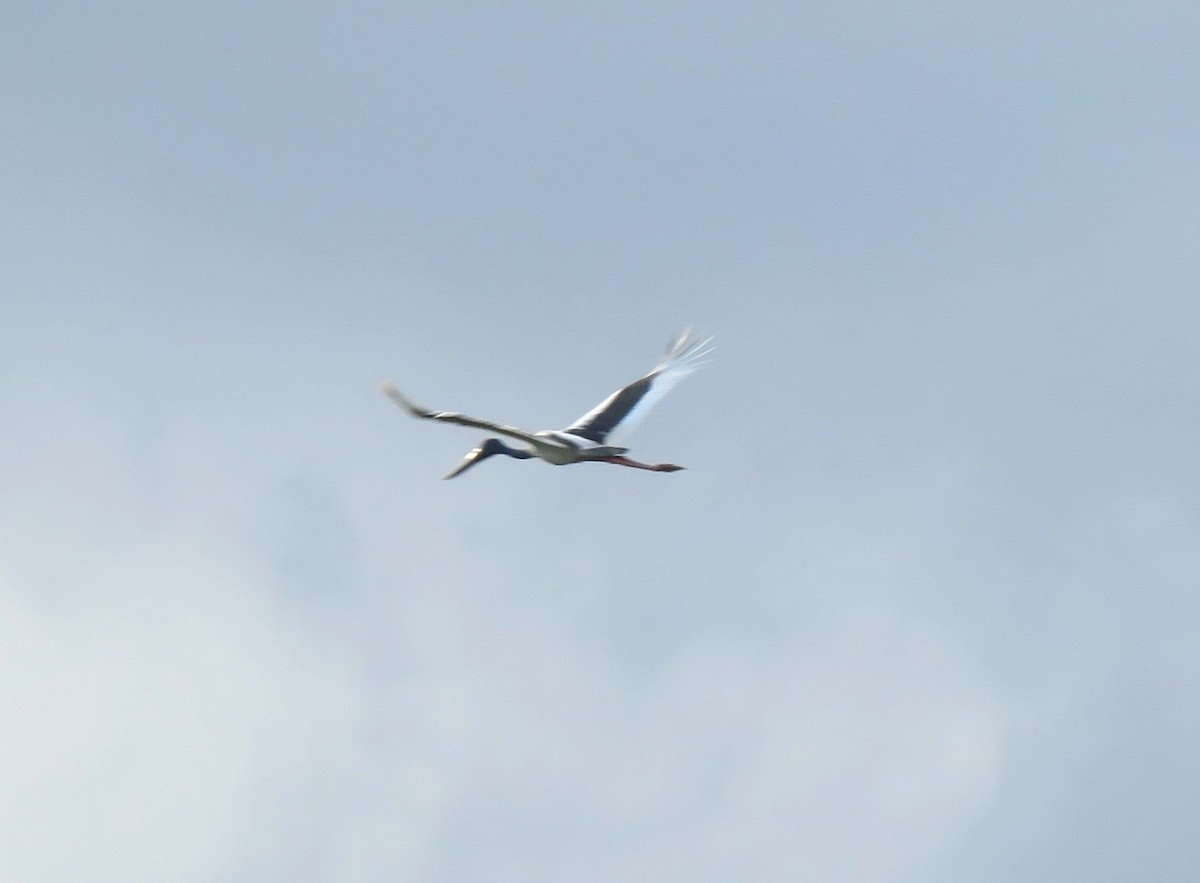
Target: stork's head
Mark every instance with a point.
(486, 448)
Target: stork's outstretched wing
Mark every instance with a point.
(461, 419)
(614, 417)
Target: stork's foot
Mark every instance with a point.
(652, 467)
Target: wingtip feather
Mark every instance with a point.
(687, 350)
(389, 390)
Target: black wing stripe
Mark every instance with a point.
(624, 401)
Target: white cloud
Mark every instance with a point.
(149, 706)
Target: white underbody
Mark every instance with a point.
(560, 448)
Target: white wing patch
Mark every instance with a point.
(682, 357)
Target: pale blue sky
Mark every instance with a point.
(922, 608)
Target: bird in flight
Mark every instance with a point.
(590, 437)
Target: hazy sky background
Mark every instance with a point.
(924, 606)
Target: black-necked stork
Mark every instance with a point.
(589, 437)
